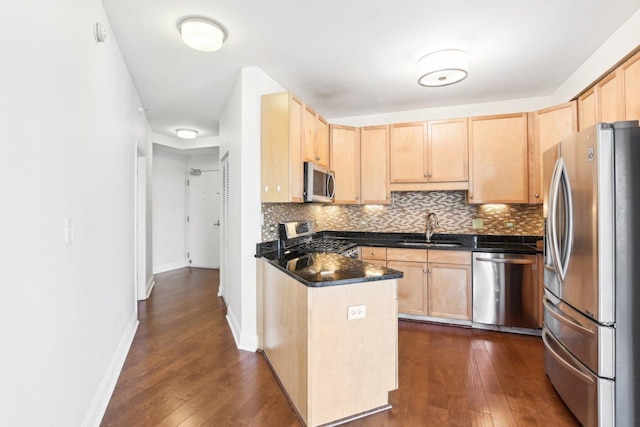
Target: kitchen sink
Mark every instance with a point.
(429, 244)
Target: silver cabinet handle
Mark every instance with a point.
(572, 369)
(505, 260)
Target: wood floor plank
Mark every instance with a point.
(184, 369)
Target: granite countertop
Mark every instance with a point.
(326, 269)
(464, 242)
(320, 269)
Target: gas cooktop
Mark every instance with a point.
(298, 236)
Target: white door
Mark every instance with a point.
(204, 219)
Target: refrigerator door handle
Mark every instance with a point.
(572, 369)
(565, 320)
(559, 180)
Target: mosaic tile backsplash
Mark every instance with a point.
(408, 214)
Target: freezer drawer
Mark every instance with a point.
(591, 343)
(590, 398)
(505, 289)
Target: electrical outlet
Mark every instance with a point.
(477, 223)
(510, 224)
(356, 312)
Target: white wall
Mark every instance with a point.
(240, 137)
(69, 125)
(169, 210)
(170, 203)
(204, 162)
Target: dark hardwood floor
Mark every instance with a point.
(184, 369)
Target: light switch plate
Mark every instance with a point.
(477, 223)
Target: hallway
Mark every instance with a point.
(184, 369)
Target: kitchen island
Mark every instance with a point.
(330, 333)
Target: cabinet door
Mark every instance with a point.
(498, 159)
(309, 134)
(449, 291)
(550, 126)
(345, 161)
(447, 151)
(280, 158)
(296, 164)
(608, 94)
(407, 152)
(630, 71)
(322, 143)
(374, 165)
(412, 295)
(587, 109)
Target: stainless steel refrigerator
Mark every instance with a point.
(591, 298)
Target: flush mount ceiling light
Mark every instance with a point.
(202, 34)
(186, 133)
(442, 68)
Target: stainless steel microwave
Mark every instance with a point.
(319, 183)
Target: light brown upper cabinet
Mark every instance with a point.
(429, 155)
(609, 98)
(447, 151)
(280, 157)
(498, 160)
(587, 109)
(630, 75)
(407, 152)
(547, 128)
(374, 165)
(615, 97)
(315, 137)
(345, 161)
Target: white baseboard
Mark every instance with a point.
(101, 399)
(171, 266)
(209, 266)
(150, 284)
(233, 325)
(244, 341)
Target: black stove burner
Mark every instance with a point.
(325, 245)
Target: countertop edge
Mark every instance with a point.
(395, 275)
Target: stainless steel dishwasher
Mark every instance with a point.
(505, 289)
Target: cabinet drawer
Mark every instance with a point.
(396, 254)
(450, 257)
(370, 252)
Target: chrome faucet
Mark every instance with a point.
(431, 218)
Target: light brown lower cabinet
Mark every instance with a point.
(435, 283)
(449, 284)
(412, 287)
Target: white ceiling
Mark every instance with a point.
(355, 57)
